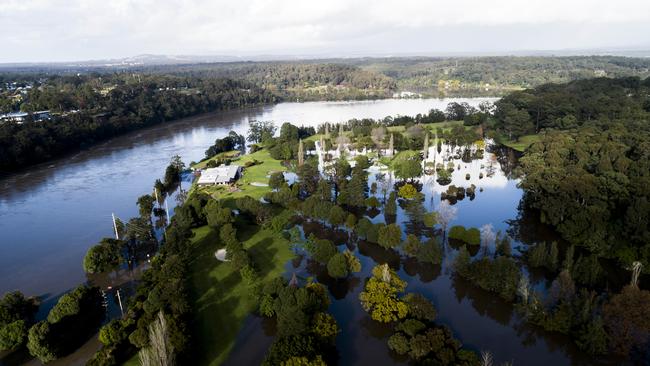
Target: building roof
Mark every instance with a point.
(220, 174)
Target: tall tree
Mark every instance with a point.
(160, 351)
(301, 154)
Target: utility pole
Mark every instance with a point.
(117, 235)
(167, 210)
(119, 301)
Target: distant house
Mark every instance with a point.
(22, 117)
(17, 117)
(221, 175)
(41, 116)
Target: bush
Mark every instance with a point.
(389, 236)
(430, 252)
(390, 208)
(81, 301)
(337, 266)
(248, 274)
(500, 275)
(420, 307)
(13, 335)
(412, 245)
(473, 236)
(40, 343)
(470, 236)
(276, 180)
(103, 257)
(321, 250)
(444, 177)
(16, 314)
(251, 163)
(372, 202)
(281, 221)
(399, 343)
(407, 191)
(457, 232)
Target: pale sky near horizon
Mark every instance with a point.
(67, 30)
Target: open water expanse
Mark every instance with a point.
(52, 213)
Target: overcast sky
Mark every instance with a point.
(66, 30)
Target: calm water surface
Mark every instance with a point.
(52, 213)
(480, 320)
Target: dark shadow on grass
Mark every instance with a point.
(245, 229)
(261, 254)
(211, 336)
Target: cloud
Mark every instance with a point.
(82, 29)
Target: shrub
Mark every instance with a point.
(321, 250)
(399, 343)
(372, 202)
(444, 177)
(457, 232)
(40, 342)
(411, 245)
(251, 163)
(389, 236)
(473, 236)
(276, 180)
(420, 307)
(13, 335)
(337, 266)
(407, 191)
(103, 257)
(430, 252)
(470, 236)
(248, 274)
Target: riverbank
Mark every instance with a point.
(52, 213)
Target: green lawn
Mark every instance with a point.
(228, 154)
(254, 174)
(520, 145)
(220, 299)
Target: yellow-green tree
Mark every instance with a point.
(380, 295)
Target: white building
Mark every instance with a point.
(224, 174)
(22, 117)
(18, 117)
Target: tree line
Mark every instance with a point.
(94, 108)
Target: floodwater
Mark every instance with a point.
(52, 213)
(480, 320)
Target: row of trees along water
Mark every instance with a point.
(91, 108)
(593, 318)
(600, 320)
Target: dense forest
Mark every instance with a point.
(376, 77)
(498, 75)
(589, 174)
(91, 104)
(92, 108)
(301, 81)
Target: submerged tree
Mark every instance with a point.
(627, 320)
(487, 237)
(426, 146)
(446, 214)
(380, 295)
(301, 154)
